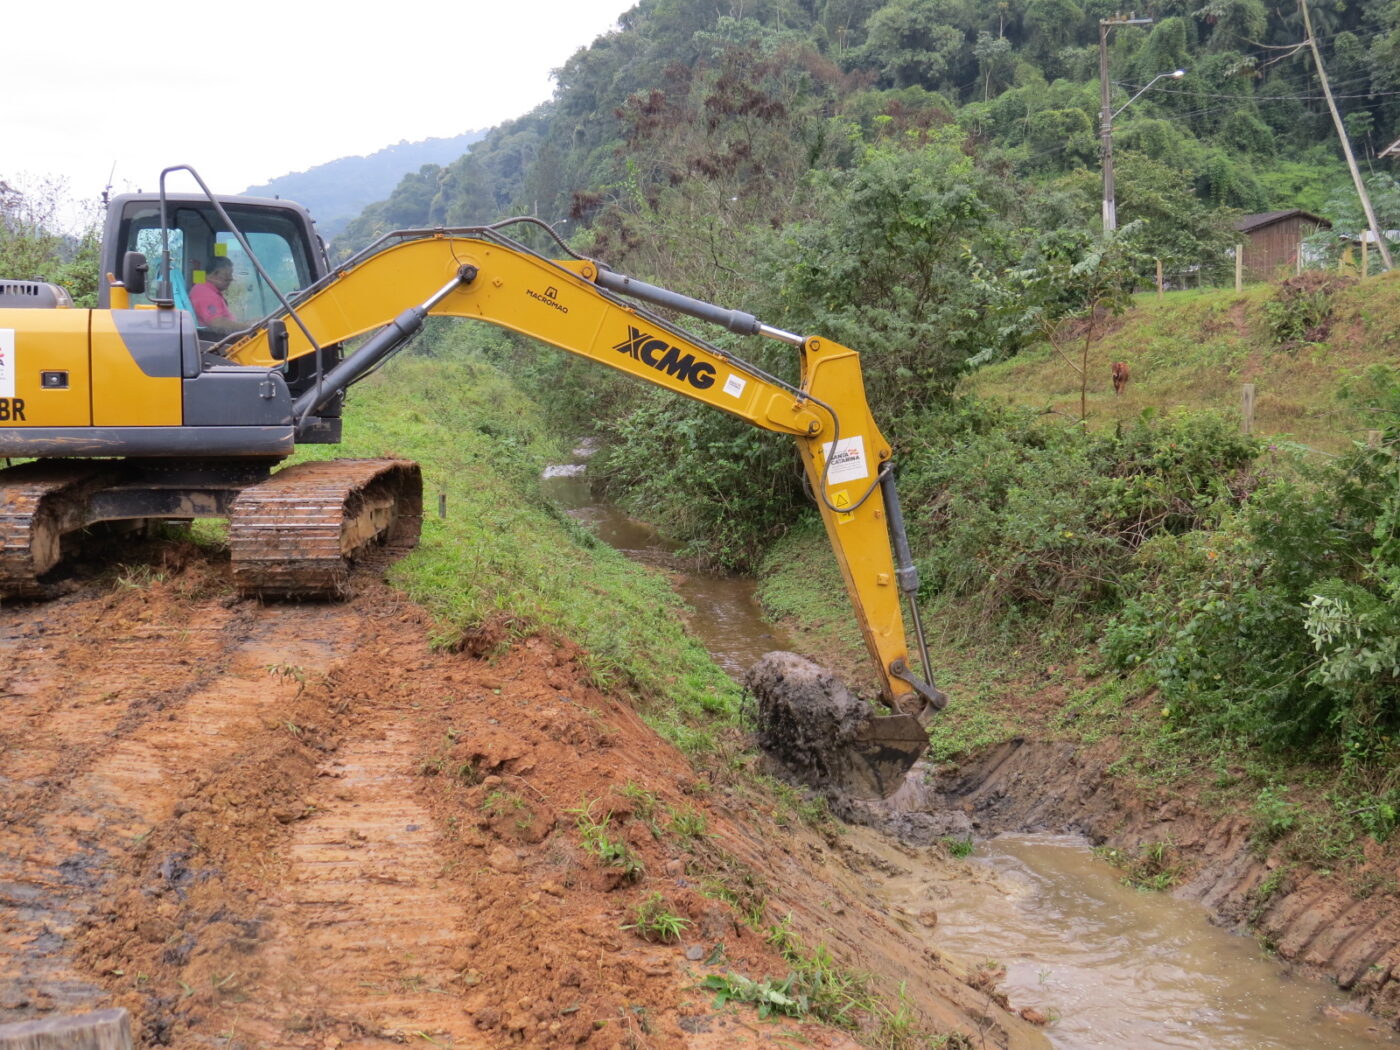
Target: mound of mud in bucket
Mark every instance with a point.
(828, 737)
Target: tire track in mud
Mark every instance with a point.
(68, 708)
(111, 704)
(366, 930)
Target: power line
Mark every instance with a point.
(1275, 98)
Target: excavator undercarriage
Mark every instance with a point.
(292, 534)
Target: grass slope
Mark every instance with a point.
(1193, 350)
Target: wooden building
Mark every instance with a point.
(1273, 239)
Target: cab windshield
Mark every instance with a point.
(211, 275)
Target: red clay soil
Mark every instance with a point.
(300, 826)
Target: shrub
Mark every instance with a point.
(1300, 311)
(1030, 517)
(1281, 627)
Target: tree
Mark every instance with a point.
(1234, 23)
(995, 61)
(912, 42)
(1176, 224)
(33, 246)
(1349, 223)
(1070, 289)
(1050, 26)
(886, 267)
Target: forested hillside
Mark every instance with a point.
(728, 112)
(917, 178)
(339, 190)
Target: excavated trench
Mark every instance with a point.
(1051, 924)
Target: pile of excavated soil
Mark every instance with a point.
(300, 826)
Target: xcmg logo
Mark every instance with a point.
(664, 357)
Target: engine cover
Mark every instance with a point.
(39, 294)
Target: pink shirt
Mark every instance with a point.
(209, 304)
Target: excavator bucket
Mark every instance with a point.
(828, 736)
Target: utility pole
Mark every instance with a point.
(1346, 142)
(1110, 207)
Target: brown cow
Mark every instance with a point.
(1120, 377)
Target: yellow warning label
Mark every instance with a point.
(842, 499)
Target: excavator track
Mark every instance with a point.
(39, 502)
(296, 534)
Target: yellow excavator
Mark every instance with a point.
(222, 340)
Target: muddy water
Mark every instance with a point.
(1115, 968)
(726, 617)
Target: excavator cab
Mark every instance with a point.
(280, 234)
(274, 253)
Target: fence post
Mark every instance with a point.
(1365, 256)
(1247, 408)
(1239, 267)
(1159, 278)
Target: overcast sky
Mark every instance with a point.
(246, 90)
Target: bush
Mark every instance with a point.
(1300, 311)
(1281, 627)
(1034, 518)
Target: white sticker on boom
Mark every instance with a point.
(7, 362)
(734, 386)
(848, 462)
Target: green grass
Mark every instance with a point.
(504, 556)
(612, 850)
(1194, 349)
(653, 920)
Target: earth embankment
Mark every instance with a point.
(301, 825)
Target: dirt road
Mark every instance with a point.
(299, 826)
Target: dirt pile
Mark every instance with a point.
(299, 826)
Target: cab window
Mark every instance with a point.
(198, 236)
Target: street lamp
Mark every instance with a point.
(1175, 74)
(1110, 205)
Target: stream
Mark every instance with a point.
(1116, 967)
(1113, 967)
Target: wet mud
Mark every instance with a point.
(805, 717)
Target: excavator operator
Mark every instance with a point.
(210, 307)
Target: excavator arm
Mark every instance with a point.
(580, 307)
